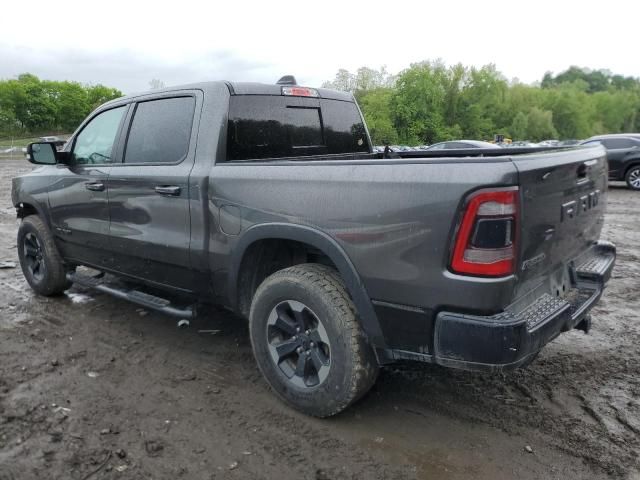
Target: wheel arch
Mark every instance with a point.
(634, 162)
(29, 206)
(325, 244)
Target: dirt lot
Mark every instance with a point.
(92, 388)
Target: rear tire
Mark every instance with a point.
(308, 342)
(633, 177)
(41, 263)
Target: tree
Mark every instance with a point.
(571, 108)
(99, 94)
(344, 81)
(418, 103)
(430, 102)
(30, 105)
(72, 105)
(483, 98)
(8, 122)
(376, 107)
(519, 127)
(36, 109)
(363, 80)
(540, 125)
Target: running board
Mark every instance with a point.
(143, 299)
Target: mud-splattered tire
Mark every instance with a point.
(633, 177)
(308, 342)
(41, 263)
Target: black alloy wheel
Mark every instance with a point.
(34, 257)
(299, 344)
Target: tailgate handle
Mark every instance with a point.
(583, 169)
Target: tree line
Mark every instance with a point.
(31, 106)
(431, 102)
(425, 103)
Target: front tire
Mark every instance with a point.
(633, 177)
(41, 263)
(308, 342)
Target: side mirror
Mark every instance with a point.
(45, 153)
(42, 153)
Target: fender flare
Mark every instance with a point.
(40, 211)
(328, 246)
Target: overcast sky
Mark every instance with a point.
(125, 44)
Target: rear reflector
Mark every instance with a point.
(299, 92)
(485, 241)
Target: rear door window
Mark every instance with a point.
(267, 127)
(160, 131)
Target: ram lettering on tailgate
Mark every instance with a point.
(573, 208)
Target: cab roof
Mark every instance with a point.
(251, 88)
(238, 88)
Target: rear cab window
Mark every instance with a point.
(265, 127)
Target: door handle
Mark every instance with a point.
(94, 186)
(171, 190)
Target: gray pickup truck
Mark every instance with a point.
(269, 200)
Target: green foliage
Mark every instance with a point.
(431, 102)
(30, 105)
(99, 94)
(540, 124)
(519, 126)
(377, 107)
(418, 103)
(594, 80)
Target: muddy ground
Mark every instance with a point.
(92, 388)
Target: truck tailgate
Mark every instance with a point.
(562, 211)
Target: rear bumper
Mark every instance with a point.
(511, 339)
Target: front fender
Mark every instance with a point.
(30, 201)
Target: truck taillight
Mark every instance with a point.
(485, 241)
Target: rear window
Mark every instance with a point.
(266, 127)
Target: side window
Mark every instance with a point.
(94, 144)
(160, 131)
(622, 143)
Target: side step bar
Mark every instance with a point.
(143, 299)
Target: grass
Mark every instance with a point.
(12, 156)
(16, 142)
(8, 141)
